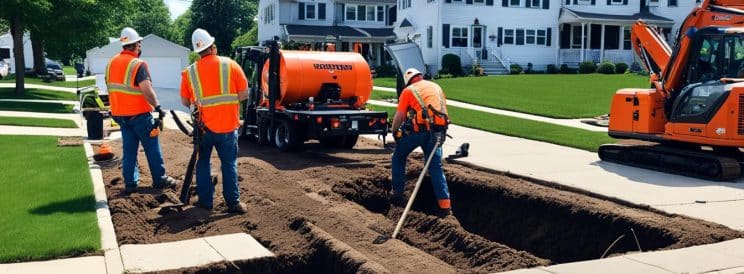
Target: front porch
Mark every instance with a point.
(368, 42)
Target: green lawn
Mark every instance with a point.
(551, 95)
(37, 122)
(66, 84)
(69, 70)
(528, 129)
(385, 82)
(47, 201)
(36, 107)
(38, 94)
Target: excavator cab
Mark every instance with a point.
(716, 53)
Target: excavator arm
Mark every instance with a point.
(650, 46)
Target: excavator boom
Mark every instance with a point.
(650, 46)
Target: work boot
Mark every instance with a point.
(203, 206)
(130, 189)
(239, 208)
(397, 199)
(168, 182)
(443, 212)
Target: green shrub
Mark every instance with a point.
(565, 70)
(385, 71)
(552, 69)
(515, 69)
(635, 67)
(606, 68)
(451, 64)
(621, 67)
(529, 68)
(477, 70)
(587, 67)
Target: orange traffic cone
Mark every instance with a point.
(104, 153)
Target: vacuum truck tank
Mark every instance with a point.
(341, 77)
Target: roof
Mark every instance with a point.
(381, 32)
(339, 32)
(405, 23)
(644, 15)
(150, 39)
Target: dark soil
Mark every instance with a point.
(320, 210)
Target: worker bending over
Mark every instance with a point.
(132, 99)
(215, 85)
(415, 124)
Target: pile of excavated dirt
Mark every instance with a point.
(321, 210)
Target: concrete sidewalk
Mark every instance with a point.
(576, 123)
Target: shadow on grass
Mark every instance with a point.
(36, 107)
(77, 205)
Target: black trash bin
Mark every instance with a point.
(94, 122)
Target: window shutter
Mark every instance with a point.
(609, 2)
(499, 40)
(546, 4)
(568, 2)
(575, 2)
(594, 2)
(625, 2)
(504, 3)
(302, 11)
(343, 12)
(519, 38)
(448, 1)
(548, 36)
(445, 35)
(528, 3)
(489, 2)
(321, 11)
(469, 2)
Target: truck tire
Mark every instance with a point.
(262, 136)
(348, 141)
(287, 136)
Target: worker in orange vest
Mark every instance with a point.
(424, 128)
(215, 85)
(132, 99)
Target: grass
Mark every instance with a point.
(47, 200)
(65, 84)
(37, 122)
(36, 107)
(551, 95)
(388, 82)
(38, 94)
(69, 70)
(523, 128)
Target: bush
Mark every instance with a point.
(385, 71)
(606, 68)
(565, 70)
(529, 68)
(621, 67)
(587, 67)
(515, 69)
(552, 69)
(477, 70)
(451, 64)
(635, 67)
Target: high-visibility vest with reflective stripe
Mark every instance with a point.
(211, 103)
(125, 96)
(428, 93)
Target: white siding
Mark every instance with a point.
(422, 14)
(678, 13)
(600, 6)
(268, 30)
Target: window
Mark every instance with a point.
(361, 13)
(268, 14)
(626, 38)
(429, 36)
(576, 40)
(672, 3)
(535, 3)
(380, 13)
(515, 3)
(530, 36)
(509, 36)
(403, 4)
(351, 12)
(309, 11)
(370, 13)
(617, 1)
(478, 1)
(459, 37)
(541, 38)
(365, 12)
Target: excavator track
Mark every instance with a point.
(673, 160)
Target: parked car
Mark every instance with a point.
(54, 70)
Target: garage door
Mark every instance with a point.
(165, 71)
(98, 65)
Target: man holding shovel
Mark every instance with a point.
(422, 108)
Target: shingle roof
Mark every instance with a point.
(645, 15)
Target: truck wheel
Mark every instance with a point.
(330, 141)
(287, 136)
(348, 141)
(262, 136)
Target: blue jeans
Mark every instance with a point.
(227, 148)
(404, 147)
(133, 132)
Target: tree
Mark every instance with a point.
(17, 13)
(3, 25)
(249, 38)
(152, 16)
(223, 19)
(180, 25)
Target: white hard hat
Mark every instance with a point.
(409, 74)
(201, 40)
(129, 36)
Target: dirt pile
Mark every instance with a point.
(320, 210)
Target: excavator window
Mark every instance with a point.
(719, 56)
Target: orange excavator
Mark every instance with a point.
(694, 110)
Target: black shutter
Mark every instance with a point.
(609, 2)
(343, 12)
(625, 2)
(546, 4)
(321, 11)
(499, 41)
(445, 35)
(302, 11)
(519, 36)
(504, 3)
(568, 2)
(594, 2)
(448, 1)
(548, 36)
(489, 2)
(528, 3)
(576, 2)
(469, 2)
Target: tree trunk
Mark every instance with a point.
(16, 31)
(37, 44)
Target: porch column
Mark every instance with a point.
(583, 39)
(601, 47)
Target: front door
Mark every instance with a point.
(478, 42)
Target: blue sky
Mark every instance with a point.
(177, 7)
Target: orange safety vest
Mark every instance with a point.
(428, 93)
(125, 95)
(217, 105)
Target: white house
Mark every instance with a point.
(6, 51)
(164, 58)
(492, 33)
(351, 25)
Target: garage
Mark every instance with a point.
(165, 59)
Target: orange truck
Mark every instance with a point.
(297, 96)
(694, 110)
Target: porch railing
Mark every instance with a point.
(573, 56)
